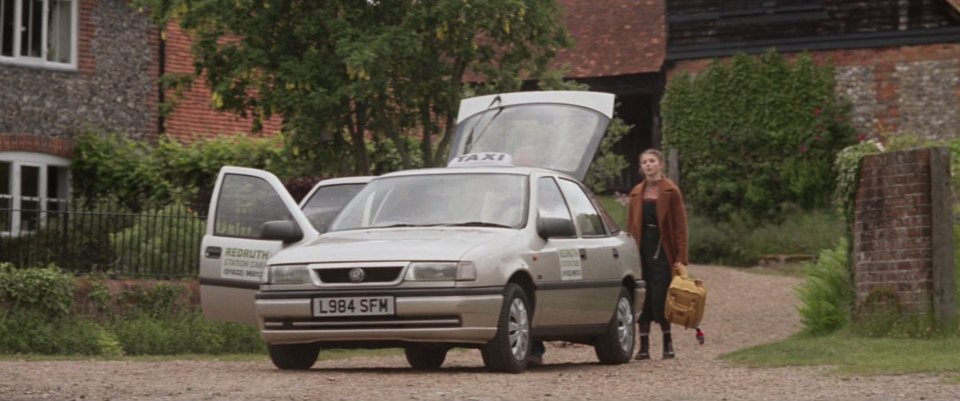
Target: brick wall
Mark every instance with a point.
(902, 222)
(37, 144)
(900, 90)
(194, 116)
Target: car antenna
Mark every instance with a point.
(469, 141)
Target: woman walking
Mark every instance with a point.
(658, 222)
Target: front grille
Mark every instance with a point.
(370, 274)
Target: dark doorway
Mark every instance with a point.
(635, 110)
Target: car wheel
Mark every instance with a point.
(294, 356)
(615, 346)
(425, 358)
(510, 347)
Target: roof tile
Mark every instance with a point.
(613, 37)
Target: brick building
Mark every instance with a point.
(67, 66)
(897, 61)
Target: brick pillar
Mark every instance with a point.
(903, 231)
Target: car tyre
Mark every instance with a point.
(510, 347)
(294, 356)
(425, 358)
(616, 345)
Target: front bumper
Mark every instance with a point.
(421, 315)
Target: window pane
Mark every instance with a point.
(588, 220)
(5, 188)
(327, 202)
(29, 198)
(30, 181)
(59, 31)
(6, 213)
(245, 203)
(56, 188)
(6, 200)
(550, 201)
(32, 19)
(6, 27)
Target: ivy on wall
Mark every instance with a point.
(756, 133)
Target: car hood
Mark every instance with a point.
(398, 244)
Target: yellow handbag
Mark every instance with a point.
(686, 301)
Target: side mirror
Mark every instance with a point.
(549, 227)
(283, 230)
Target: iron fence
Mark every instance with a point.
(104, 238)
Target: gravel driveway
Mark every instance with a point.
(743, 309)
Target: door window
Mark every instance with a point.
(550, 201)
(244, 204)
(327, 202)
(587, 219)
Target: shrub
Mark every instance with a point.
(755, 134)
(149, 247)
(738, 243)
(32, 331)
(44, 290)
(827, 294)
(77, 242)
(187, 333)
(143, 176)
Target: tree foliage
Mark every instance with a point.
(756, 133)
(342, 71)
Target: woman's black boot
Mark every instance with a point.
(644, 347)
(668, 346)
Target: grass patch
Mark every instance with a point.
(853, 355)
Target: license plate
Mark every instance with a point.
(353, 306)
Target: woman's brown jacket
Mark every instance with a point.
(671, 217)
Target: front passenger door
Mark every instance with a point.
(233, 256)
(602, 271)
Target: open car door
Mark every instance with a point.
(233, 254)
(555, 130)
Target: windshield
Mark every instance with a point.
(491, 200)
(558, 137)
(327, 202)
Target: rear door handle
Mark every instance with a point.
(583, 254)
(213, 252)
(616, 254)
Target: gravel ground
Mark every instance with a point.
(743, 309)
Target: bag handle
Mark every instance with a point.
(679, 269)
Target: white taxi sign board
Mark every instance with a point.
(481, 159)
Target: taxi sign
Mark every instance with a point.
(481, 159)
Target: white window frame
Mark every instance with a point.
(42, 61)
(17, 161)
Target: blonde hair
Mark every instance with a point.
(652, 151)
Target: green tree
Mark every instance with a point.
(341, 71)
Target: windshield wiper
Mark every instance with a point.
(470, 137)
(477, 224)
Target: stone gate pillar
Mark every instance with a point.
(903, 231)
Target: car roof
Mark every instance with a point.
(360, 179)
(516, 170)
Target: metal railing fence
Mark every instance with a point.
(105, 238)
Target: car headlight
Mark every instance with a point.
(289, 274)
(441, 271)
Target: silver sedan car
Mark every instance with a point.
(494, 252)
